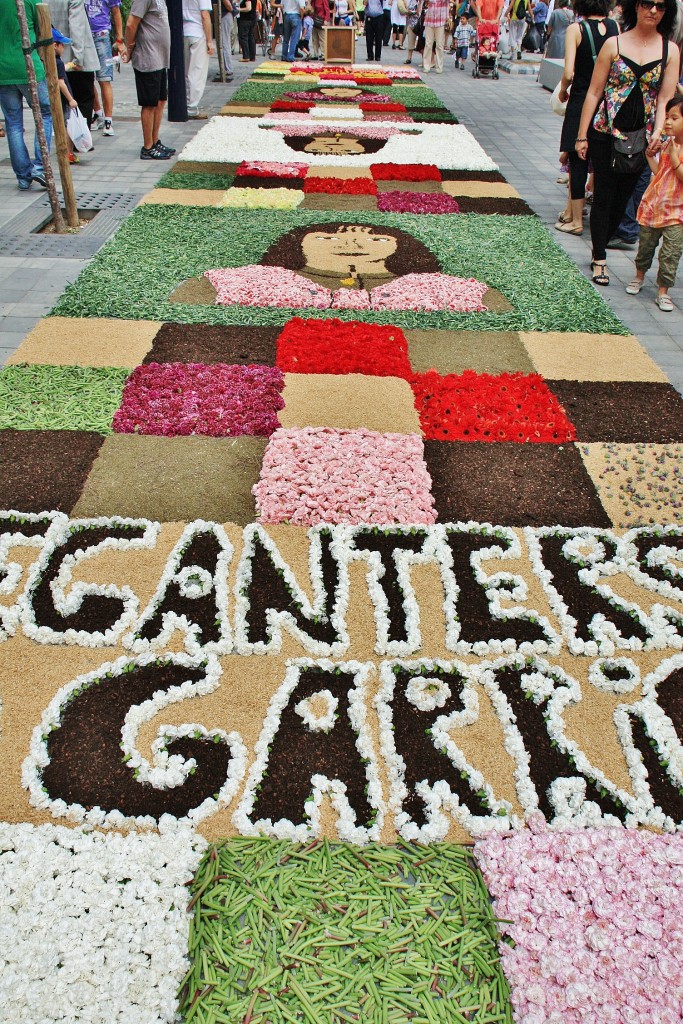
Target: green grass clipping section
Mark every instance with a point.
(159, 247)
(37, 397)
(195, 181)
(330, 933)
(268, 92)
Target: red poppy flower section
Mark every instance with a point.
(336, 346)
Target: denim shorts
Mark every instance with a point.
(104, 52)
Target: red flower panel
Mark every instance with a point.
(384, 108)
(292, 105)
(341, 186)
(336, 346)
(483, 407)
(405, 172)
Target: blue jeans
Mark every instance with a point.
(629, 229)
(291, 36)
(11, 102)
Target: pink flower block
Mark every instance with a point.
(254, 285)
(178, 399)
(416, 202)
(596, 923)
(430, 292)
(320, 475)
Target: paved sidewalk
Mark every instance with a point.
(510, 117)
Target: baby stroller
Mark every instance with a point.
(486, 50)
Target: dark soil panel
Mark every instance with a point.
(621, 410)
(45, 469)
(203, 343)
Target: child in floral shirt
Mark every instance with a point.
(660, 214)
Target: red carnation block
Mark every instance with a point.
(384, 108)
(373, 80)
(405, 172)
(336, 346)
(483, 407)
(341, 186)
(292, 105)
(217, 400)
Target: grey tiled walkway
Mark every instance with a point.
(510, 117)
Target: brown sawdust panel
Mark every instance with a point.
(515, 484)
(488, 205)
(456, 351)
(327, 201)
(409, 186)
(174, 478)
(75, 341)
(41, 470)
(203, 167)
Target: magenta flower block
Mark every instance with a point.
(416, 202)
(320, 475)
(178, 399)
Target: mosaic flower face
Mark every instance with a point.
(356, 246)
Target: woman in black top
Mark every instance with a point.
(635, 77)
(246, 30)
(578, 70)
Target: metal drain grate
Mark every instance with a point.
(19, 236)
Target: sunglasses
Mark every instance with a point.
(651, 5)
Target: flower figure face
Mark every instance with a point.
(356, 247)
(341, 92)
(334, 146)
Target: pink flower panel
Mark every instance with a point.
(178, 399)
(597, 923)
(320, 475)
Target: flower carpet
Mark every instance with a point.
(341, 604)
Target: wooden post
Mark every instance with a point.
(217, 33)
(57, 217)
(58, 126)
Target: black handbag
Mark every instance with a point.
(628, 154)
(318, 22)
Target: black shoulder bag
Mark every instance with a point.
(629, 154)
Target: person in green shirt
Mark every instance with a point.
(14, 90)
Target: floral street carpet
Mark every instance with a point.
(342, 530)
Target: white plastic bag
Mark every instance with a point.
(555, 105)
(78, 131)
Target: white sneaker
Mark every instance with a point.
(108, 127)
(97, 123)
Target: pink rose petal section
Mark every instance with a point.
(320, 475)
(220, 400)
(597, 923)
(255, 286)
(430, 292)
(416, 202)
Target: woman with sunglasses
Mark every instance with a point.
(634, 78)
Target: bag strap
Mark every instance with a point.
(665, 58)
(591, 41)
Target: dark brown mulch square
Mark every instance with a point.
(258, 181)
(512, 484)
(472, 176)
(622, 410)
(202, 343)
(508, 207)
(43, 470)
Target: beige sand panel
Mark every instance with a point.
(409, 186)
(182, 197)
(327, 201)
(456, 351)
(196, 291)
(638, 484)
(568, 356)
(171, 479)
(349, 400)
(338, 172)
(75, 341)
(203, 167)
(481, 189)
(244, 109)
(496, 302)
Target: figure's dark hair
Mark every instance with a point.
(592, 8)
(630, 17)
(562, 3)
(411, 256)
(675, 101)
(299, 142)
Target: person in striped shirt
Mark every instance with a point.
(435, 22)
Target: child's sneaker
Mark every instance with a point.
(108, 127)
(73, 159)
